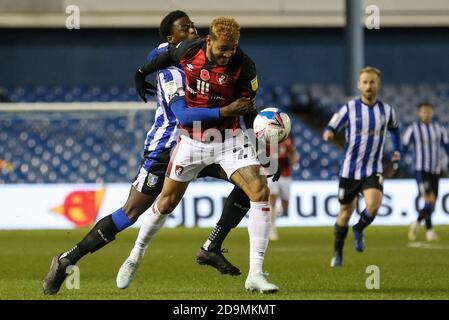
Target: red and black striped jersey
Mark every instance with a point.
(210, 85)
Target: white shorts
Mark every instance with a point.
(191, 156)
(280, 188)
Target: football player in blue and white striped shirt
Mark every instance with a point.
(367, 121)
(427, 136)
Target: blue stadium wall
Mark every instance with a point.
(109, 56)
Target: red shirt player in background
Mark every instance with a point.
(288, 159)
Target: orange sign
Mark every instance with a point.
(81, 207)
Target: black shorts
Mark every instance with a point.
(427, 182)
(150, 178)
(348, 189)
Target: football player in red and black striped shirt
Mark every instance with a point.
(217, 73)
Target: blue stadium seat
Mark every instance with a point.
(71, 149)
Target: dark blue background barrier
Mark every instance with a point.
(283, 56)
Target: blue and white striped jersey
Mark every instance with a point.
(170, 83)
(366, 130)
(426, 139)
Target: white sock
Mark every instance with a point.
(151, 223)
(258, 230)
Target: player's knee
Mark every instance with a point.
(373, 208)
(166, 204)
(430, 198)
(260, 194)
(344, 217)
(132, 211)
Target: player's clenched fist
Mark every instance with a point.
(328, 135)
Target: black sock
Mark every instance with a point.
(216, 238)
(428, 222)
(364, 221)
(101, 234)
(421, 216)
(340, 233)
(426, 213)
(76, 253)
(234, 209)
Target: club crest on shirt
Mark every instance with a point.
(221, 78)
(178, 170)
(152, 180)
(204, 75)
(171, 88)
(383, 120)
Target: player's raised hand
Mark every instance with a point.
(142, 87)
(238, 107)
(328, 135)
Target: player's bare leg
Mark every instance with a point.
(273, 231)
(373, 200)
(341, 231)
(250, 180)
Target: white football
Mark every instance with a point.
(272, 124)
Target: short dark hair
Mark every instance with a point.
(165, 28)
(425, 103)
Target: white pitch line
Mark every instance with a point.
(423, 245)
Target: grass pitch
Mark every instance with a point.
(298, 263)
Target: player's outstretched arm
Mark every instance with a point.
(186, 115)
(160, 62)
(336, 123)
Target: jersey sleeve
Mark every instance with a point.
(339, 120)
(152, 55)
(445, 139)
(171, 82)
(444, 135)
(162, 48)
(159, 62)
(185, 48)
(407, 138)
(247, 84)
(393, 121)
(171, 57)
